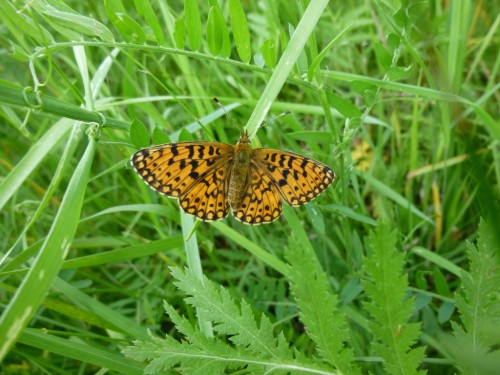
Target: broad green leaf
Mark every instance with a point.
(396, 72)
(14, 19)
(159, 136)
(241, 33)
(193, 23)
(268, 50)
(213, 32)
(139, 134)
(74, 21)
(180, 33)
(145, 9)
(345, 107)
(384, 58)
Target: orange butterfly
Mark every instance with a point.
(208, 177)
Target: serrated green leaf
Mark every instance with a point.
(478, 303)
(386, 287)
(319, 312)
(241, 33)
(254, 346)
(193, 23)
(139, 135)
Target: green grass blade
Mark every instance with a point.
(80, 351)
(286, 63)
(114, 318)
(32, 159)
(37, 283)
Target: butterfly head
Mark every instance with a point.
(244, 137)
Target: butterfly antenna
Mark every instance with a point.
(227, 113)
(275, 118)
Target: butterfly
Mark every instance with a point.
(209, 177)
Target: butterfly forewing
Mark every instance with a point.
(172, 169)
(299, 179)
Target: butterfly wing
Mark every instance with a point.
(261, 202)
(299, 179)
(194, 172)
(207, 198)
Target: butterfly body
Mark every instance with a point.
(209, 177)
(238, 179)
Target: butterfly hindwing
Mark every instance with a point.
(299, 179)
(172, 169)
(207, 198)
(261, 202)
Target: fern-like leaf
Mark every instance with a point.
(478, 304)
(388, 307)
(325, 325)
(237, 322)
(254, 348)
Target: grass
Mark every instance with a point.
(388, 271)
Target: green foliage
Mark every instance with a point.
(390, 310)
(255, 347)
(477, 336)
(319, 312)
(193, 23)
(139, 135)
(241, 34)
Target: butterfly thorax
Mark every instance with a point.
(238, 181)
